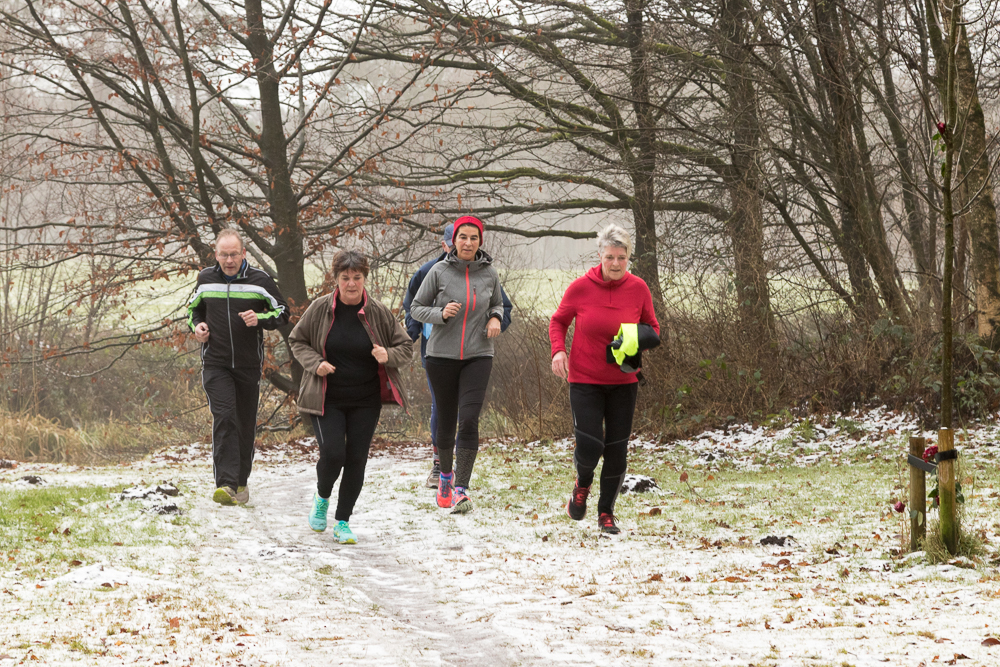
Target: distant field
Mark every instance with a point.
(145, 303)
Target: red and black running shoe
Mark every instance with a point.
(576, 508)
(608, 524)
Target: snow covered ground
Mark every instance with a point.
(515, 582)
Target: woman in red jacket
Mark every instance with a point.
(602, 392)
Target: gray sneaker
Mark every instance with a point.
(224, 495)
(434, 478)
(243, 495)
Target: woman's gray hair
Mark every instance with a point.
(616, 237)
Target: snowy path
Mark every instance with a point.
(514, 583)
(381, 568)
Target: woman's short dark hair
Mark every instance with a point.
(350, 260)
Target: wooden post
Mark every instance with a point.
(918, 495)
(946, 489)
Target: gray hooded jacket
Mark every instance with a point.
(474, 284)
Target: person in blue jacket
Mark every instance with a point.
(423, 331)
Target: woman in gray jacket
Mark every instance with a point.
(461, 298)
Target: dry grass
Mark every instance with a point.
(27, 437)
(970, 545)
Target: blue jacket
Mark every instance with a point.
(415, 328)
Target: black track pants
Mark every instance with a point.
(459, 393)
(232, 397)
(602, 419)
(345, 436)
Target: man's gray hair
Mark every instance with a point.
(616, 237)
(230, 232)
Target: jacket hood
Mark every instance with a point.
(597, 276)
(482, 259)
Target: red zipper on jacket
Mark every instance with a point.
(465, 317)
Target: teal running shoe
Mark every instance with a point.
(317, 518)
(343, 533)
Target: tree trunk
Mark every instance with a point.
(862, 222)
(969, 131)
(641, 161)
(287, 253)
(746, 224)
(929, 290)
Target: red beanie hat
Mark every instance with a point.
(469, 220)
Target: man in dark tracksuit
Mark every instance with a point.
(422, 331)
(232, 305)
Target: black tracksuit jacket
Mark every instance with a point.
(218, 302)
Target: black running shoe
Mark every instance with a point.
(576, 508)
(607, 523)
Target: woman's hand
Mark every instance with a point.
(325, 368)
(560, 365)
(380, 354)
(451, 310)
(493, 328)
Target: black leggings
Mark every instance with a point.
(344, 435)
(459, 393)
(602, 419)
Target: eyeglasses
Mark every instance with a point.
(228, 255)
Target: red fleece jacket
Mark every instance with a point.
(600, 308)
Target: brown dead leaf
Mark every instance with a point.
(74, 563)
(684, 578)
(175, 622)
(656, 577)
(655, 511)
(735, 580)
(684, 477)
(991, 641)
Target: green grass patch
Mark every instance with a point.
(44, 532)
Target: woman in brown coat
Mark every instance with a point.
(350, 347)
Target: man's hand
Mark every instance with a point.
(201, 332)
(325, 368)
(560, 365)
(451, 310)
(380, 354)
(493, 328)
(249, 317)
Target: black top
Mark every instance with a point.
(349, 348)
